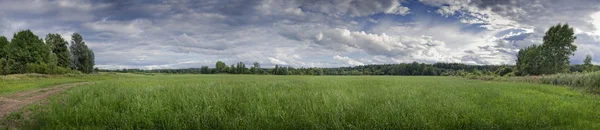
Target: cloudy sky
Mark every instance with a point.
(152, 34)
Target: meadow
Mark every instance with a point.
(314, 102)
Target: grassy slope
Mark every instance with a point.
(304, 102)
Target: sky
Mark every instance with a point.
(153, 34)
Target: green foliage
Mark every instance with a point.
(504, 71)
(221, 67)
(232, 69)
(558, 46)
(255, 69)
(26, 48)
(241, 68)
(552, 56)
(3, 46)
(205, 70)
(511, 74)
(587, 64)
(82, 58)
(44, 68)
(26, 53)
(588, 81)
(6, 66)
(58, 45)
(529, 60)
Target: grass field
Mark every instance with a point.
(23, 82)
(321, 102)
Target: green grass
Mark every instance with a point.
(324, 102)
(23, 82)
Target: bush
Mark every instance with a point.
(35, 75)
(44, 68)
(503, 71)
(589, 81)
(511, 74)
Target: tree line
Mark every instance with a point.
(414, 68)
(27, 53)
(403, 69)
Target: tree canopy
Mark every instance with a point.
(82, 58)
(26, 48)
(587, 64)
(552, 56)
(58, 45)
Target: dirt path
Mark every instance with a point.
(16, 101)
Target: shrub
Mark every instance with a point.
(503, 71)
(511, 74)
(44, 68)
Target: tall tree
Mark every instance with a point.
(4, 61)
(529, 60)
(241, 68)
(58, 45)
(221, 67)
(557, 47)
(3, 43)
(587, 64)
(26, 48)
(275, 70)
(204, 70)
(82, 58)
(232, 69)
(90, 61)
(552, 56)
(256, 68)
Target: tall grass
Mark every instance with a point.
(304, 102)
(589, 82)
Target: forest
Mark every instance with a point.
(27, 53)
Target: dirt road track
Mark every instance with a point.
(16, 101)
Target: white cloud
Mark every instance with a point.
(347, 60)
(277, 61)
(134, 27)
